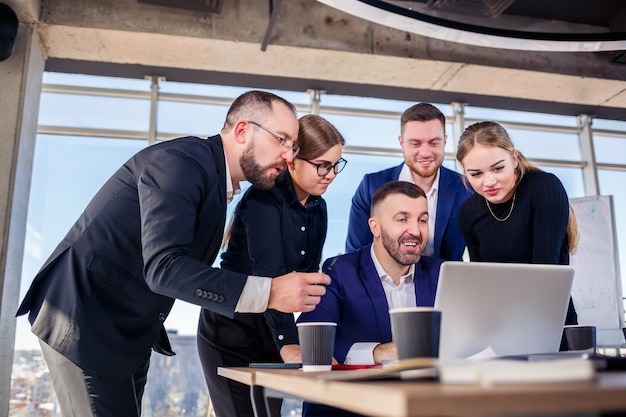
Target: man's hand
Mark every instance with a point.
(297, 291)
(385, 351)
(291, 354)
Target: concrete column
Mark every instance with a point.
(20, 91)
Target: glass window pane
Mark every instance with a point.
(610, 150)
(546, 145)
(371, 103)
(451, 141)
(181, 119)
(223, 91)
(481, 113)
(82, 80)
(572, 179)
(208, 90)
(619, 125)
(612, 183)
(73, 110)
(368, 132)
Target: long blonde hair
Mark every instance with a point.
(491, 134)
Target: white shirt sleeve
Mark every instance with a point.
(255, 295)
(361, 353)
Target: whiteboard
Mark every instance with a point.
(597, 289)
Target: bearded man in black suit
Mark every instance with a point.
(148, 237)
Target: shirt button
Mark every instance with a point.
(303, 228)
(302, 252)
(281, 337)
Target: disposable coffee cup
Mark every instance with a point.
(317, 343)
(416, 331)
(579, 337)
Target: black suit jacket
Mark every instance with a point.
(148, 236)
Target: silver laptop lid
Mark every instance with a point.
(514, 309)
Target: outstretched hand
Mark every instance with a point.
(385, 351)
(297, 291)
(293, 354)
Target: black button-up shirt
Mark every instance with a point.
(273, 234)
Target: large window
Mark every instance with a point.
(89, 126)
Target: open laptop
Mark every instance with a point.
(512, 309)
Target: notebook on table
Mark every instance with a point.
(503, 308)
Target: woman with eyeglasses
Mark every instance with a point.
(272, 232)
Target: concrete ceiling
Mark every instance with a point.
(311, 45)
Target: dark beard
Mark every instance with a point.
(254, 172)
(393, 250)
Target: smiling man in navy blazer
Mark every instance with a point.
(366, 284)
(423, 140)
(148, 237)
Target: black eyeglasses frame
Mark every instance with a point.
(323, 170)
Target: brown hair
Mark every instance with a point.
(316, 136)
(491, 134)
(422, 112)
(253, 105)
(395, 187)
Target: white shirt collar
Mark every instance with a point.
(435, 186)
(407, 175)
(231, 190)
(382, 273)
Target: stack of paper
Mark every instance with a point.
(505, 371)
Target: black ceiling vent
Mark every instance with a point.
(491, 8)
(207, 6)
(619, 58)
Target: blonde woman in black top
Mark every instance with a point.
(519, 212)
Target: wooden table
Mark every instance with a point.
(427, 398)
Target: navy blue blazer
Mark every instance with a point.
(448, 240)
(356, 301)
(147, 237)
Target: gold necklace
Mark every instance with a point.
(510, 211)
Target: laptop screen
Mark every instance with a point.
(511, 309)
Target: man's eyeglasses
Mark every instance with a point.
(287, 143)
(325, 167)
